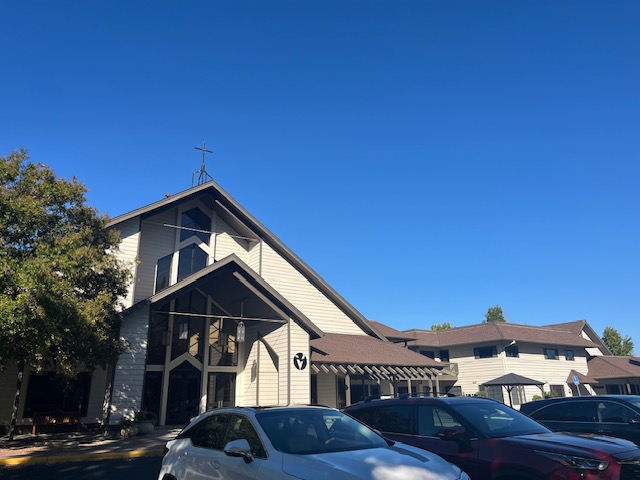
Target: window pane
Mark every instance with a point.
(398, 419)
(191, 260)
(193, 220)
(163, 273)
(567, 411)
(209, 432)
(485, 352)
(512, 351)
(240, 427)
(49, 391)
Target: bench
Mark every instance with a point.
(54, 421)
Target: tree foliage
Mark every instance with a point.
(494, 315)
(618, 345)
(441, 326)
(59, 285)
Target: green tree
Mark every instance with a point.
(618, 345)
(59, 285)
(441, 326)
(494, 315)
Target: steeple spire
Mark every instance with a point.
(203, 176)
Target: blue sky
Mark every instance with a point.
(429, 159)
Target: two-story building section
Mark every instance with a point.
(551, 359)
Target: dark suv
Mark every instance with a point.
(491, 441)
(614, 415)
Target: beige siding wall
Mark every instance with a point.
(129, 374)
(156, 241)
(226, 242)
(327, 393)
(299, 381)
(307, 298)
(474, 371)
(530, 363)
(274, 380)
(246, 381)
(127, 253)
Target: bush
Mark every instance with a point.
(144, 416)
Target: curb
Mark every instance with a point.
(34, 459)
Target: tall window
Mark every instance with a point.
(444, 355)
(191, 259)
(428, 353)
(195, 222)
(568, 355)
(163, 273)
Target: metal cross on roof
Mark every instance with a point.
(203, 176)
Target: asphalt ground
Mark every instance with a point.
(82, 446)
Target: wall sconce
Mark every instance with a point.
(240, 335)
(184, 330)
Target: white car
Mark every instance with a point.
(310, 443)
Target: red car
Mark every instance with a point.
(491, 441)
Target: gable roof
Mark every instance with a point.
(609, 366)
(491, 332)
(580, 327)
(391, 333)
(335, 348)
(212, 195)
(232, 267)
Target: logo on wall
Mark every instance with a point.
(300, 361)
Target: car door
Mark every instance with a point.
(440, 432)
(618, 420)
(207, 460)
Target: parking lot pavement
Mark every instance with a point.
(83, 446)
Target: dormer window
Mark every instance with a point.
(195, 223)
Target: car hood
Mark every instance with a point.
(396, 462)
(576, 444)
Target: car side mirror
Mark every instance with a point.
(239, 448)
(460, 437)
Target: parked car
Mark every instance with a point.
(614, 415)
(310, 443)
(491, 441)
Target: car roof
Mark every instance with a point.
(422, 399)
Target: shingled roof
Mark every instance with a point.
(614, 367)
(489, 332)
(335, 348)
(391, 333)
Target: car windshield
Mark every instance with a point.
(497, 420)
(308, 431)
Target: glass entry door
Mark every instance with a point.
(184, 394)
(221, 391)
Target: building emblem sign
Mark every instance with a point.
(300, 361)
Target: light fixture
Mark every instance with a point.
(241, 332)
(184, 330)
